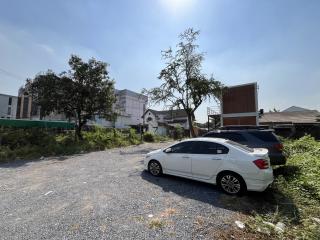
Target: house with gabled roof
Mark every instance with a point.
(160, 122)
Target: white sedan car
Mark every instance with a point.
(232, 166)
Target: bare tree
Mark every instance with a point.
(184, 85)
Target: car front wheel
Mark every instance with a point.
(155, 168)
(232, 183)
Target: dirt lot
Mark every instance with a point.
(107, 195)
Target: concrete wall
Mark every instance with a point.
(151, 121)
(6, 110)
(121, 122)
(131, 104)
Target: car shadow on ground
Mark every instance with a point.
(258, 202)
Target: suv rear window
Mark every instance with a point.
(265, 136)
(237, 137)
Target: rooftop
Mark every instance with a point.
(296, 109)
(309, 116)
(131, 93)
(168, 114)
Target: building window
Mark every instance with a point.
(9, 111)
(10, 101)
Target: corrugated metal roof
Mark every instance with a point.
(296, 109)
(169, 114)
(290, 117)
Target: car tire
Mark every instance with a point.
(154, 167)
(231, 183)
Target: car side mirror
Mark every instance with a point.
(168, 150)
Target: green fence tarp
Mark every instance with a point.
(21, 123)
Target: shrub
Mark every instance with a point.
(304, 155)
(178, 132)
(148, 137)
(134, 138)
(296, 190)
(34, 143)
(6, 154)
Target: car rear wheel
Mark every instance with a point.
(155, 168)
(232, 183)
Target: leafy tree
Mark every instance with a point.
(43, 89)
(184, 85)
(83, 92)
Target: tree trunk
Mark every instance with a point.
(191, 130)
(78, 135)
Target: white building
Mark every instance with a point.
(8, 106)
(159, 122)
(129, 107)
(131, 104)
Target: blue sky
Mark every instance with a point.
(275, 43)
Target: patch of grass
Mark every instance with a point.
(149, 137)
(295, 192)
(168, 212)
(34, 142)
(156, 223)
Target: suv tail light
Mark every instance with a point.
(278, 147)
(261, 163)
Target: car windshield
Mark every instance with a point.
(238, 145)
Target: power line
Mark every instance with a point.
(13, 75)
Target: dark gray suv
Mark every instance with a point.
(254, 138)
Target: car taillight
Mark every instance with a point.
(278, 147)
(261, 163)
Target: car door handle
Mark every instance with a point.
(216, 159)
(185, 157)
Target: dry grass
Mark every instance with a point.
(156, 223)
(168, 212)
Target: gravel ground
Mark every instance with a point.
(106, 195)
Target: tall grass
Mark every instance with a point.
(296, 190)
(34, 143)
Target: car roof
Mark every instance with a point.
(205, 139)
(244, 127)
(240, 130)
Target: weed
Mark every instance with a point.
(34, 142)
(296, 191)
(156, 223)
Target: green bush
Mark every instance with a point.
(304, 156)
(6, 154)
(134, 138)
(34, 143)
(149, 137)
(178, 132)
(296, 190)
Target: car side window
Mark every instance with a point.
(209, 148)
(184, 147)
(236, 137)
